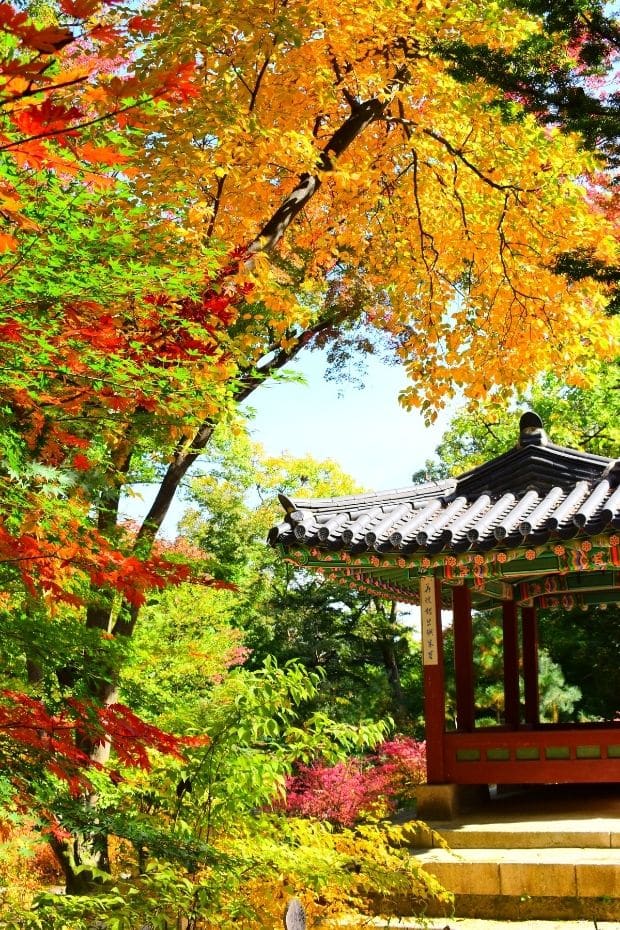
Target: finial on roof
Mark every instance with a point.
(531, 430)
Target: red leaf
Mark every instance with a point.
(143, 24)
(101, 154)
(104, 33)
(11, 331)
(46, 117)
(81, 462)
(56, 830)
(78, 442)
(48, 40)
(181, 84)
(10, 19)
(80, 9)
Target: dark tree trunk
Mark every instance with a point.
(82, 858)
(91, 850)
(392, 671)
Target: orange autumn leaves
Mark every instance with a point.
(443, 209)
(207, 116)
(451, 216)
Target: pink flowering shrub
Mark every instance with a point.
(353, 789)
(403, 760)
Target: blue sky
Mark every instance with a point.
(366, 431)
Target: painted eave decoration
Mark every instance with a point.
(538, 522)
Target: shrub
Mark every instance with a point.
(403, 760)
(357, 788)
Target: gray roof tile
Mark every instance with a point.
(530, 493)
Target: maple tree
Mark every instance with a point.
(84, 336)
(363, 164)
(198, 842)
(372, 90)
(192, 193)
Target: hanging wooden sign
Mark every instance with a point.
(428, 607)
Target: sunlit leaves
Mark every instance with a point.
(455, 217)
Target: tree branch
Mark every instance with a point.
(361, 116)
(187, 451)
(67, 130)
(254, 91)
(458, 153)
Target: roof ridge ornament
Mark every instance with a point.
(531, 431)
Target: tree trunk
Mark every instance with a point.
(88, 853)
(83, 858)
(390, 664)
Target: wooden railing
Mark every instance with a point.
(580, 753)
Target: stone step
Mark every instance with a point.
(534, 883)
(522, 834)
(476, 923)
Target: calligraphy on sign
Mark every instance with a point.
(428, 606)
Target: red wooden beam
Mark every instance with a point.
(530, 664)
(463, 659)
(577, 753)
(511, 664)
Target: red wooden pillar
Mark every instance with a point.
(530, 664)
(463, 659)
(510, 635)
(434, 683)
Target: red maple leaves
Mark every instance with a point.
(53, 740)
(53, 566)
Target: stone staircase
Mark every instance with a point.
(550, 853)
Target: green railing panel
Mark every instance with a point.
(468, 755)
(498, 755)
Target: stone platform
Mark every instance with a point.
(541, 853)
(473, 923)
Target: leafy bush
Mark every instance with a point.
(355, 788)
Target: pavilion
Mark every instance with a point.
(538, 526)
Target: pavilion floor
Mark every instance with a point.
(522, 809)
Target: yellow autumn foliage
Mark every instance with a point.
(453, 216)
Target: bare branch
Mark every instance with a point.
(259, 78)
(458, 153)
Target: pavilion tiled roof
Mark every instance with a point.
(532, 493)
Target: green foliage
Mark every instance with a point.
(233, 503)
(255, 725)
(586, 647)
(183, 646)
(370, 663)
(579, 417)
(88, 242)
(347, 873)
(68, 657)
(558, 699)
(195, 835)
